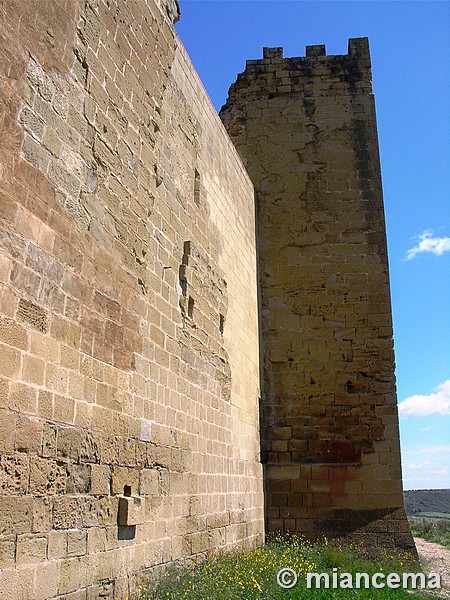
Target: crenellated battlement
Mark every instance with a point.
(317, 72)
(357, 47)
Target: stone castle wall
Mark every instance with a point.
(129, 308)
(129, 357)
(306, 131)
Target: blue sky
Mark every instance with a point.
(410, 51)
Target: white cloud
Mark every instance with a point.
(415, 456)
(426, 475)
(426, 429)
(421, 406)
(428, 243)
(426, 468)
(418, 466)
(436, 450)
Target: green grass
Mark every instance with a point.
(252, 575)
(435, 530)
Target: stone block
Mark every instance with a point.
(89, 451)
(200, 542)
(109, 452)
(16, 584)
(221, 520)
(45, 405)
(47, 580)
(63, 409)
(46, 477)
(33, 370)
(14, 474)
(285, 472)
(7, 553)
(57, 544)
(76, 543)
(42, 515)
(49, 440)
(96, 540)
(65, 513)
(23, 398)
(78, 595)
(13, 333)
(149, 482)
(28, 435)
(177, 483)
(107, 509)
(78, 479)
(127, 447)
(130, 511)
(124, 480)
(4, 393)
(7, 431)
(71, 576)
(17, 515)
(31, 549)
(100, 480)
(32, 313)
(27, 224)
(83, 415)
(10, 363)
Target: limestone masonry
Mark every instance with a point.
(305, 129)
(180, 372)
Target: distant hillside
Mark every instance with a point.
(418, 501)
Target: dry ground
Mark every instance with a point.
(435, 559)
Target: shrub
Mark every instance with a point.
(432, 530)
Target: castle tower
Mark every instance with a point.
(305, 129)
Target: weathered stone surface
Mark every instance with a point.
(305, 129)
(17, 515)
(42, 514)
(13, 334)
(31, 549)
(46, 477)
(129, 309)
(78, 479)
(14, 474)
(65, 513)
